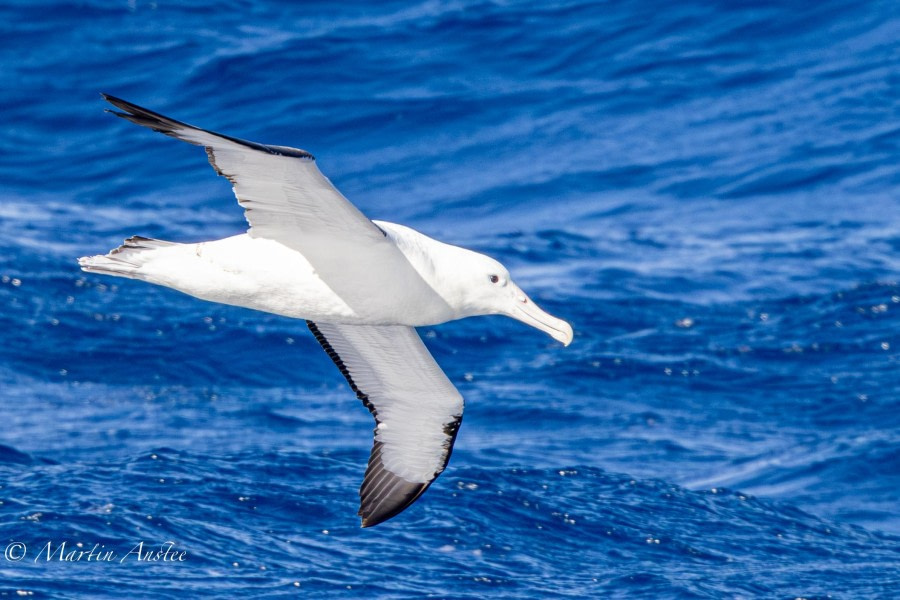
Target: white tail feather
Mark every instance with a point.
(124, 261)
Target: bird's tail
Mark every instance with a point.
(126, 260)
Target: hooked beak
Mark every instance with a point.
(531, 314)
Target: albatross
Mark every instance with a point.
(362, 286)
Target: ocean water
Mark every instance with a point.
(707, 191)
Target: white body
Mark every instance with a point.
(266, 275)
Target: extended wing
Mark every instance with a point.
(287, 199)
(417, 411)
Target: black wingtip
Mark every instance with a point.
(366, 523)
(398, 501)
(122, 104)
(146, 117)
(169, 126)
(383, 495)
(121, 115)
(117, 102)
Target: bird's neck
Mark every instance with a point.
(438, 264)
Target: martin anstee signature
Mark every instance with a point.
(142, 552)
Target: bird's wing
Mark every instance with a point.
(417, 411)
(287, 199)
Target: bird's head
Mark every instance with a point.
(471, 283)
(488, 289)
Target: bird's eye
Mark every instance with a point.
(495, 278)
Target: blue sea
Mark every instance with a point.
(708, 191)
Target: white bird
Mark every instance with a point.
(362, 286)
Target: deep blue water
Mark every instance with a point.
(707, 191)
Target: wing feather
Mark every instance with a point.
(287, 199)
(417, 411)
